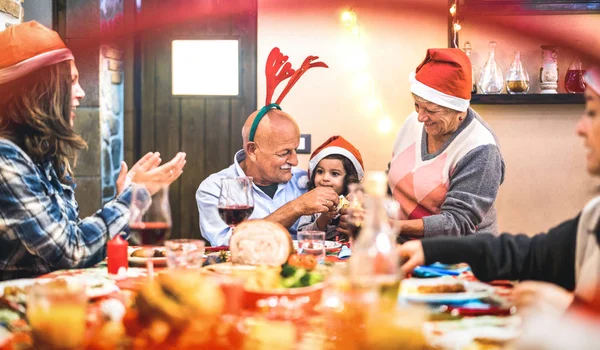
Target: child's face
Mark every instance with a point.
(330, 173)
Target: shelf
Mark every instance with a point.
(506, 99)
(528, 7)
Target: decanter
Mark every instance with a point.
(574, 82)
(491, 80)
(467, 49)
(517, 79)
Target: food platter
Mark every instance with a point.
(157, 260)
(459, 290)
(329, 245)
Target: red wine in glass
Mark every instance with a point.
(574, 82)
(235, 214)
(150, 233)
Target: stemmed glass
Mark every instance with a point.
(236, 200)
(150, 221)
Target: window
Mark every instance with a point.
(205, 67)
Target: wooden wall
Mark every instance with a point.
(207, 128)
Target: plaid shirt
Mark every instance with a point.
(40, 229)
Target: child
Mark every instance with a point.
(336, 163)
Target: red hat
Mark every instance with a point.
(337, 145)
(592, 79)
(27, 47)
(444, 78)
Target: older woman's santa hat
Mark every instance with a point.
(337, 145)
(444, 78)
(27, 47)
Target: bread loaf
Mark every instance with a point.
(260, 242)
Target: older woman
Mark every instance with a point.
(40, 230)
(568, 255)
(446, 166)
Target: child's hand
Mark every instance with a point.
(325, 218)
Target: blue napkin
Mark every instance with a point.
(438, 270)
(345, 252)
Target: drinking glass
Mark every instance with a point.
(356, 209)
(312, 243)
(236, 200)
(56, 312)
(150, 222)
(185, 253)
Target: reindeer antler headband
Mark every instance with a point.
(277, 70)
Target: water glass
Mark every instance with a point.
(56, 312)
(185, 253)
(312, 243)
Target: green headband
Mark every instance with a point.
(263, 111)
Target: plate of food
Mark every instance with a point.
(263, 260)
(137, 256)
(96, 287)
(329, 245)
(443, 290)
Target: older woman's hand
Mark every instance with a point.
(533, 296)
(147, 172)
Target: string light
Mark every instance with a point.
(348, 18)
(357, 59)
(455, 25)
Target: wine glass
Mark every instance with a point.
(356, 209)
(236, 200)
(150, 221)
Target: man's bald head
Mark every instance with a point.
(272, 154)
(274, 123)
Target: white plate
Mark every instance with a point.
(138, 261)
(473, 290)
(329, 245)
(96, 287)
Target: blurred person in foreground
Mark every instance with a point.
(40, 228)
(568, 256)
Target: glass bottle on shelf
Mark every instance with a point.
(549, 70)
(574, 82)
(374, 266)
(491, 80)
(467, 49)
(517, 79)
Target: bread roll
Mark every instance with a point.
(260, 242)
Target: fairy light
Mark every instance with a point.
(457, 27)
(455, 24)
(356, 60)
(348, 18)
(385, 125)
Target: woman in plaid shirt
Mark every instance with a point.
(40, 229)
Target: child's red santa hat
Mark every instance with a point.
(444, 78)
(27, 47)
(337, 145)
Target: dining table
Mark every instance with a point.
(487, 321)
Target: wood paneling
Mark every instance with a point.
(207, 128)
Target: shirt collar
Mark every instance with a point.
(239, 157)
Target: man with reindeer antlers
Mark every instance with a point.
(270, 138)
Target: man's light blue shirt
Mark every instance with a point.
(214, 229)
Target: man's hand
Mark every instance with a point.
(319, 200)
(412, 253)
